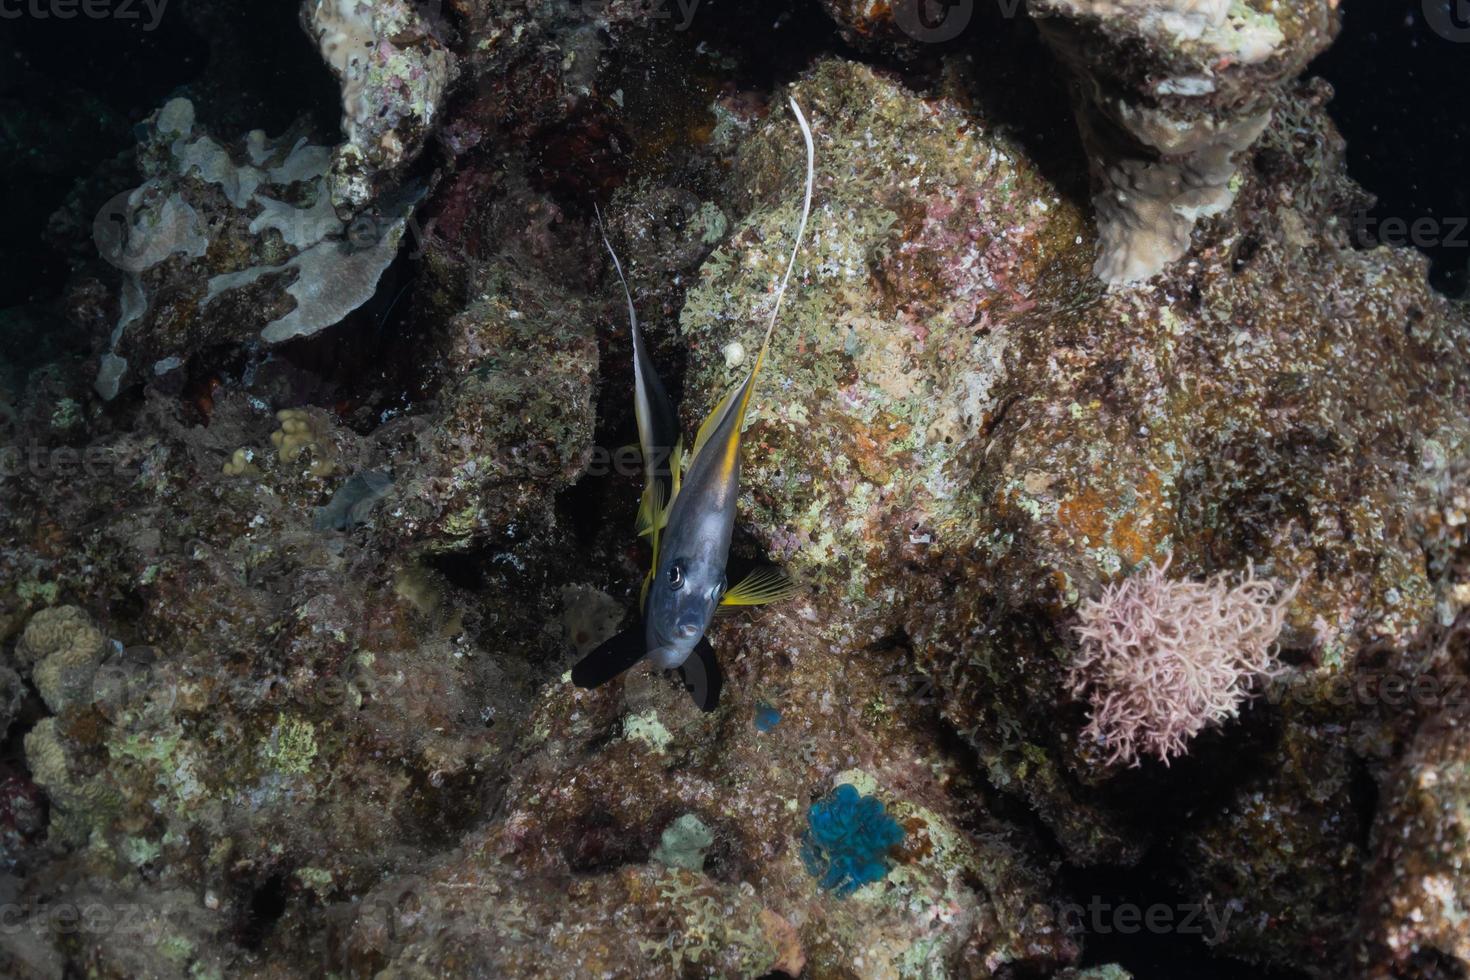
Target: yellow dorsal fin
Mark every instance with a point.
(676, 479)
(760, 587)
(661, 514)
(677, 463)
(743, 391)
(712, 421)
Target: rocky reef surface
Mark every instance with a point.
(315, 485)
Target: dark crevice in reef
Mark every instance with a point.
(443, 806)
(1111, 904)
(647, 118)
(1009, 77)
(262, 70)
(265, 907)
(463, 569)
(591, 502)
(995, 812)
(365, 370)
(1130, 917)
(24, 807)
(369, 366)
(1363, 790)
(599, 843)
(1220, 761)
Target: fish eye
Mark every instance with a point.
(676, 576)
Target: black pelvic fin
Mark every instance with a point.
(702, 678)
(611, 658)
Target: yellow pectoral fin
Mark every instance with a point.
(643, 592)
(646, 515)
(762, 586)
(651, 509)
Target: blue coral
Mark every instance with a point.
(767, 717)
(848, 839)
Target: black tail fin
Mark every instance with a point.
(702, 677)
(611, 658)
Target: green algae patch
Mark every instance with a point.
(291, 747)
(646, 728)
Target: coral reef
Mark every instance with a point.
(1038, 439)
(304, 530)
(628, 766)
(225, 243)
(393, 71)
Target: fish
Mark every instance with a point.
(686, 584)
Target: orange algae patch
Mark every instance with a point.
(1139, 533)
(1135, 534)
(916, 844)
(1084, 515)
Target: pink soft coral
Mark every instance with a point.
(1160, 659)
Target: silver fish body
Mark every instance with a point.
(689, 579)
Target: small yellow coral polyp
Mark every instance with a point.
(241, 464)
(295, 436)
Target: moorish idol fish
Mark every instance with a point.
(691, 533)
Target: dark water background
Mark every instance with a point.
(1402, 73)
(71, 92)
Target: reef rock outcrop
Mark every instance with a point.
(1170, 94)
(394, 70)
(959, 437)
(230, 244)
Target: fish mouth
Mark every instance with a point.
(688, 631)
